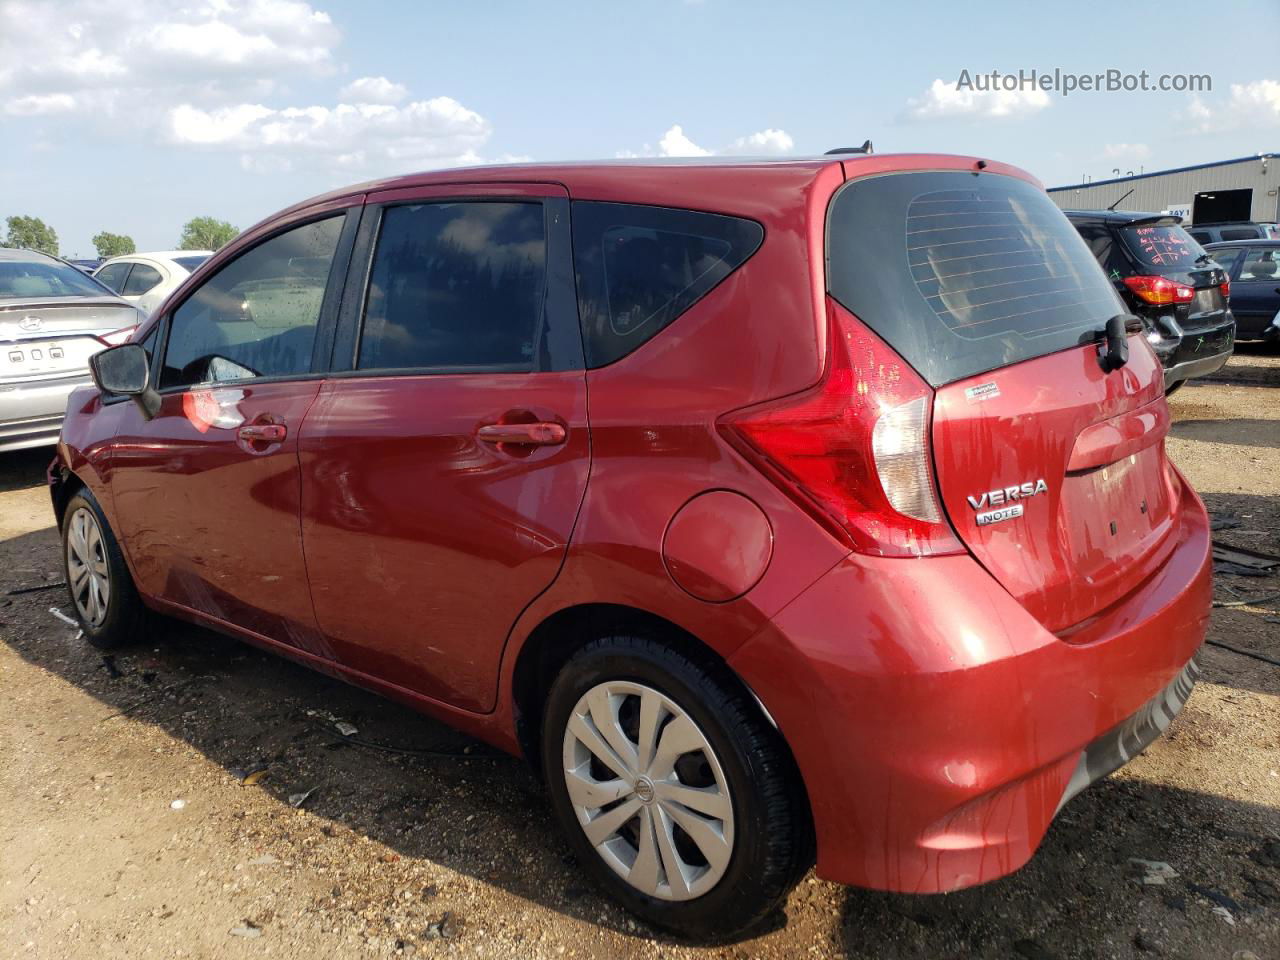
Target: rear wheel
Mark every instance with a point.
(102, 591)
(675, 793)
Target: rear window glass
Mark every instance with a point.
(963, 273)
(22, 279)
(640, 267)
(189, 263)
(1162, 245)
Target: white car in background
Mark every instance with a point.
(145, 279)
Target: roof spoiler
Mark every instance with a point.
(865, 148)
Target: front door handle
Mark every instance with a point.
(262, 432)
(539, 434)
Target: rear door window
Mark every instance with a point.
(141, 279)
(457, 286)
(963, 273)
(1261, 264)
(1241, 233)
(640, 267)
(113, 275)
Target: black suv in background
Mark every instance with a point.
(1166, 278)
(1207, 233)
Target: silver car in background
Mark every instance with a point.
(53, 318)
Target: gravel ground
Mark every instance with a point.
(128, 827)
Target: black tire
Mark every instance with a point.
(772, 844)
(125, 614)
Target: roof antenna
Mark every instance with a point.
(1121, 200)
(865, 148)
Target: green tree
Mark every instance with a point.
(113, 244)
(206, 233)
(32, 233)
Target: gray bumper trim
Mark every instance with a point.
(1201, 366)
(1118, 746)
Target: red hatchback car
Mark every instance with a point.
(774, 510)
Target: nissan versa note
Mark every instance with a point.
(776, 511)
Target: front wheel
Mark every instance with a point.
(676, 794)
(102, 591)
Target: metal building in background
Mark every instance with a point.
(1247, 188)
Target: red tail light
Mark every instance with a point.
(1159, 290)
(117, 337)
(1225, 286)
(854, 450)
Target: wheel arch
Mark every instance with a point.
(559, 635)
(64, 483)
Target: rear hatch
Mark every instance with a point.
(1051, 471)
(51, 339)
(1163, 248)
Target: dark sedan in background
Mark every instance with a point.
(1254, 267)
(1168, 280)
(53, 317)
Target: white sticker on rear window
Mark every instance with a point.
(983, 391)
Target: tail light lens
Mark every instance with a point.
(117, 337)
(854, 450)
(1225, 287)
(1159, 290)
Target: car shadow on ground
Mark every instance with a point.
(1245, 432)
(20, 469)
(429, 792)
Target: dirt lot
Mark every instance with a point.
(125, 829)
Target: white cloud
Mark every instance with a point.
(943, 100)
(1126, 151)
(676, 143)
(765, 143)
(156, 51)
(1255, 104)
(214, 75)
(367, 137)
(38, 104)
(372, 90)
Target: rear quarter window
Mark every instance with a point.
(1241, 233)
(963, 273)
(640, 267)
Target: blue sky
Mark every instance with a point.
(135, 117)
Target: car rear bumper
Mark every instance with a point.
(1197, 367)
(939, 728)
(31, 413)
(1197, 352)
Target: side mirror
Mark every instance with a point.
(123, 371)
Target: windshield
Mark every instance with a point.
(189, 264)
(36, 279)
(963, 273)
(1163, 246)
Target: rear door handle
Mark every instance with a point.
(262, 432)
(540, 434)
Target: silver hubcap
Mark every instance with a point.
(87, 571)
(648, 790)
